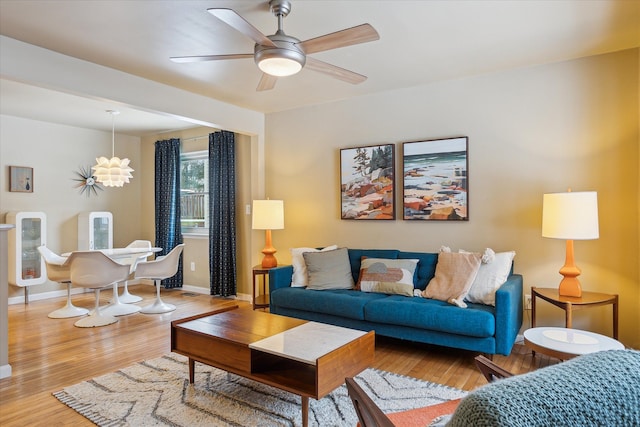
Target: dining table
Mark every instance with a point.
(117, 253)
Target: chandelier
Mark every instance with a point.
(114, 172)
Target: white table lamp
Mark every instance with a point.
(268, 215)
(570, 216)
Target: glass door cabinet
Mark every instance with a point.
(95, 231)
(26, 266)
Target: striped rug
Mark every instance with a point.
(157, 393)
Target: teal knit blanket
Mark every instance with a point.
(598, 389)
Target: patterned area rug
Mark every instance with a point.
(157, 393)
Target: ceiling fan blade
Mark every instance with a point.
(355, 35)
(334, 71)
(203, 58)
(231, 18)
(267, 82)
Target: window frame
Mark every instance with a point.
(190, 156)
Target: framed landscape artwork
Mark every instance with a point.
(367, 182)
(436, 185)
(20, 179)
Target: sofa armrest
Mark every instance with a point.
(508, 313)
(280, 277)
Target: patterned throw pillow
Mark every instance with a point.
(387, 276)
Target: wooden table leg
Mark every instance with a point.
(533, 315)
(615, 318)
(192, 370)
(305, 411)
(568, 316)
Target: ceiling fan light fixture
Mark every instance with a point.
(279, 67)
(279, 62)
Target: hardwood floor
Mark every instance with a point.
(47, 355)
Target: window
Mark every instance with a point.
(194, 192)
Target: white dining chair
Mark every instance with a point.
(161, 268)
(58, 271)
(133, 261)
(95, 270)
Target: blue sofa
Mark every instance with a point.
(482, 328)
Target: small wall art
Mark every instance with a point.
(21, 179)
(367, 182)
(436, 182)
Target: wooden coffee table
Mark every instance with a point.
(305, 358)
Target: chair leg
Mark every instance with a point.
(126, 297)
(117, 308)
(96, 317)
(69, 310)
(158, 305)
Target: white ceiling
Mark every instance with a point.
(420, 42)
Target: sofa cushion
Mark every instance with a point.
(455, 273)
(300, 276)
(340, 302)
(389, 276)
(477, 320)
(426, 267)
(329, 270)
(490, 277)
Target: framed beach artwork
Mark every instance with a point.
(367, 183)
(436, 185)
(20, 179)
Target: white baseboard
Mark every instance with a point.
(5, 371)
(205, 291)
(75, 291)
(47, 295)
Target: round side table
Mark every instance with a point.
(565, 343)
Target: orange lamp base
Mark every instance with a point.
(269, 261)
(570, 285)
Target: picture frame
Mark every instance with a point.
(21, 179)
(367, 183)
(436, 180)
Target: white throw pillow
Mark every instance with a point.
(489, 278)
(300, 278)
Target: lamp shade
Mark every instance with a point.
(570, 216)
(114, 172)
(268, 215)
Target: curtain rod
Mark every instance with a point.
(193, 138)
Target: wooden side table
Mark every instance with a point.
(571, 304)
(260, 300)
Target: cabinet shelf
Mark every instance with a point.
(95, 231)
(26, 266)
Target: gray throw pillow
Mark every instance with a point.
(329, 270)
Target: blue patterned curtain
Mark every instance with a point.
(168, 231)
(222, 213)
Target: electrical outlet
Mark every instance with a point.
(527, 302)
(193, 266)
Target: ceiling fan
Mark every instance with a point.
(280, 55)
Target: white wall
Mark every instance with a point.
(55, 152)
(531, 131)
(44, 68)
